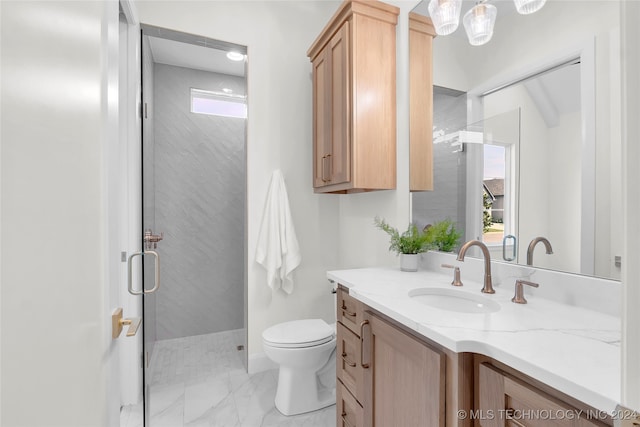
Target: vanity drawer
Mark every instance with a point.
(506, 396)
(349, 413)
(349, 311)
(348, 368)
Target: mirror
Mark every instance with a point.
(527, 100)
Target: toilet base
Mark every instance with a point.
(309, 394)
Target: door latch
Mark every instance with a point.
(151, 240)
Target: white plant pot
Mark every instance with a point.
(409, 262)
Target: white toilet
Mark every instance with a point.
(305, 351)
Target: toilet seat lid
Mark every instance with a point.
(299, 333)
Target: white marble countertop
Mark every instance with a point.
(572, 349)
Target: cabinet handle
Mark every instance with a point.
(347, 361)
(509, 417)
(324, 168)
(344, 419)
(347, 312)
(364, 322)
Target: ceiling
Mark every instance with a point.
(187, 55)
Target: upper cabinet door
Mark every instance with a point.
(331, 100)
(354, 63)
(340, 160)
(421, 34)
(322, 118)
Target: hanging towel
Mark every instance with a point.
(278, 251)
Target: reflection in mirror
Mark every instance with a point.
(473, 162)
(561, 175)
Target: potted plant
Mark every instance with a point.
(442, 236)
(407, 244)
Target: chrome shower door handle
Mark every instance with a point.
(156, 284)
(514, 250)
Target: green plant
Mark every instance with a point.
(412, 241)
(486, 215)
(443, 236)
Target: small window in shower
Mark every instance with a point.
(218, 103)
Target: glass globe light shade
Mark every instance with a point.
(525, 7)
(445, 15)
(478, 23)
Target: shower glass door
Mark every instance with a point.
(194, 179)
(148, 221)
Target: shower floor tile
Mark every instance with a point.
(201, 381)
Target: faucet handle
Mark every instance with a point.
(456, 274)
(518, 298)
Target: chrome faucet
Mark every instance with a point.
(488, 287)
(532, 246)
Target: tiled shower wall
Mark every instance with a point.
(447, 200)
(199, 205)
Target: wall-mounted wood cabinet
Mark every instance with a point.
(421, 34)
(354, 99)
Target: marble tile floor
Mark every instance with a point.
(201, 381)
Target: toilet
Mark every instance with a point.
(305, 351)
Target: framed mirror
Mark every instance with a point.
(527, 100)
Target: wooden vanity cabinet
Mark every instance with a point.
(505, 400)
(354, 99)
(386, 376)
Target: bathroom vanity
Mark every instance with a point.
(404, 360)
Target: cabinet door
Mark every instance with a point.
(421, 34)
(405, 379)
(322, 118)
(506, 401)
(340, 154)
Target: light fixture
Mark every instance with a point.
(445, 15)
(227, 90)
(478, 23)
(235, 56)
(525, 7)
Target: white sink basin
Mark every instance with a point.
(454, 300)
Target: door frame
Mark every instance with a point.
(131, 373)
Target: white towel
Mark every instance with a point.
(278, 251)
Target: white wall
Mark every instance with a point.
(564, 209)
(59, 113)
